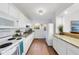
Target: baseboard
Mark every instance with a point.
(39, 38)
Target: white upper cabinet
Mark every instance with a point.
(23, 17)
(13, 11)
(10, 12)
(4, 7)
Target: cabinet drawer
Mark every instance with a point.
(69, 52)
(73, 49)
(60, 46)
(11, 51)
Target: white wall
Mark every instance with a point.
(58, 22)
(65, 19)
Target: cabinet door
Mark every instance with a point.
(4, 7)
(27, 42)
(60, 46)
(11, 51)
(73, 49)
(13, 11)
(69, 52)
(6, 22)
(40, 33)
(55, 45)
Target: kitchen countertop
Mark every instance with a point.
(74, 35)
(14, 43)
(71, 40)
(27, 34)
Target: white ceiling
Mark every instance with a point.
(52, 9)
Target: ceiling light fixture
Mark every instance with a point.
(66, 12)
(40, 11)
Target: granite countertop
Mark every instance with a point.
(27, 34)
(71, 40)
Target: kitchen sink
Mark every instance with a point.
(5, 45)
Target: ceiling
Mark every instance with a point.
(51, 9)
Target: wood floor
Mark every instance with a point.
(39, 47)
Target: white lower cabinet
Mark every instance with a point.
(69, 52)
(11, 51)
(59, 46)
(40, 33)
(27, 42)
(64, 48)
(72, 50)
